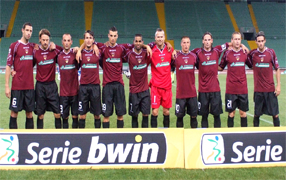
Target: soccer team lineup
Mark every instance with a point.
(79, 95)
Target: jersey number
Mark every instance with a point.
(229, 104)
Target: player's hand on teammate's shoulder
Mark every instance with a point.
(174, 54)
(52, 46)
(78, 56)
(36, 46)
(169, 46)
(95, 50)
(245, 49)
(149, 51)
(75, 49)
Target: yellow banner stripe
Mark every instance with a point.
(88, 8)
(254, 22)
(12, 19)
(252, 44)
(232, 17)
(160, 7)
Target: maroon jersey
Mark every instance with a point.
(161, 68)
(208, 68)
(89, 68)
(46, 63)
(20, 56)
(263, 64)
(69, 76)
(138, 66)
(185, 73)
(236, 82)
(112, 63)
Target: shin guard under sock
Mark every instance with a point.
(166, 121)
(29, 123)
(81, 123)
(58, 123)
(205, 123)
(74, 122)
(40, 123)
(13, 123)
(134, 122)
(105, 124)
(230, 121)
(276, 121)
(243, 121)
(194, 122)
(97, 123)
(145, 122)
(217, 123)
(153, 121)
(120, 123)
(256, 121)
(180, 122)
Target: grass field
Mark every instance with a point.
(242, 173)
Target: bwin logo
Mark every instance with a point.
(9, 149)
(212, 149)
(138, 150)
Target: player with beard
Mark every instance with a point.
(236, 95)
(89, 89)
(47, 98)
(264, 60)
(186, 95)
(69, 86)
(22, 95)
(139, 96)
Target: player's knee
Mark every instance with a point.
(29, 114)
(276, 116)
(242, 114)
(57, 115)
(120, 117)
(145, 115)
(82, 116)
(74, 116)
(14, 114)
(155, 112)
(193, 116)
(166, 112)
(231, 114)
(41, 116)
(96, 116)
(106, 119)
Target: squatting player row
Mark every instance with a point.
(85, 96)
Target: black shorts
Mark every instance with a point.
(113, 93)
(265, 103)
(22, 100)
(47, 98)
(173, 69)
(210, 102)
(139, 102)
(190, 103)
(233, 101)
(67, 102)
(89, 99)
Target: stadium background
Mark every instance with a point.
(177, 18)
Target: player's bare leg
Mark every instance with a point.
(276, 121)
(13, 120)
(230, 119)
(58, 122)
(40, 121)
(105, 122)
(243, 118)
(166, 113)
(120, 122)
(29, 120)
(97, 122)
(154, 117)
(74, 121)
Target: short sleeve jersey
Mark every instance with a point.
(208, 68)
(89, 68)
(185, 72)
(46, 63)
(263, 64)
(112, 63)
(69, 73)
(138, 66)
(161, 68)
(236, 82)
(20, 56)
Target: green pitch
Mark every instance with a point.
(242, 173)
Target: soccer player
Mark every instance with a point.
(160, 83)
(209, 100)
(69, 86)
(89, 89)
(264, 60)
(186, 96)
(47, 97)
(236, 95)
(139, 96)
(22, 95)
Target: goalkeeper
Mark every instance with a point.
(139, 97)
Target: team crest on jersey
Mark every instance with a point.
(186, 61)
(262, 59)
(88, 58)
(139, 60)
(45, 57)
(26, 51)
(112, 54)
(162, 58)
(208, 57)
(67, 60)
(237, 58)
